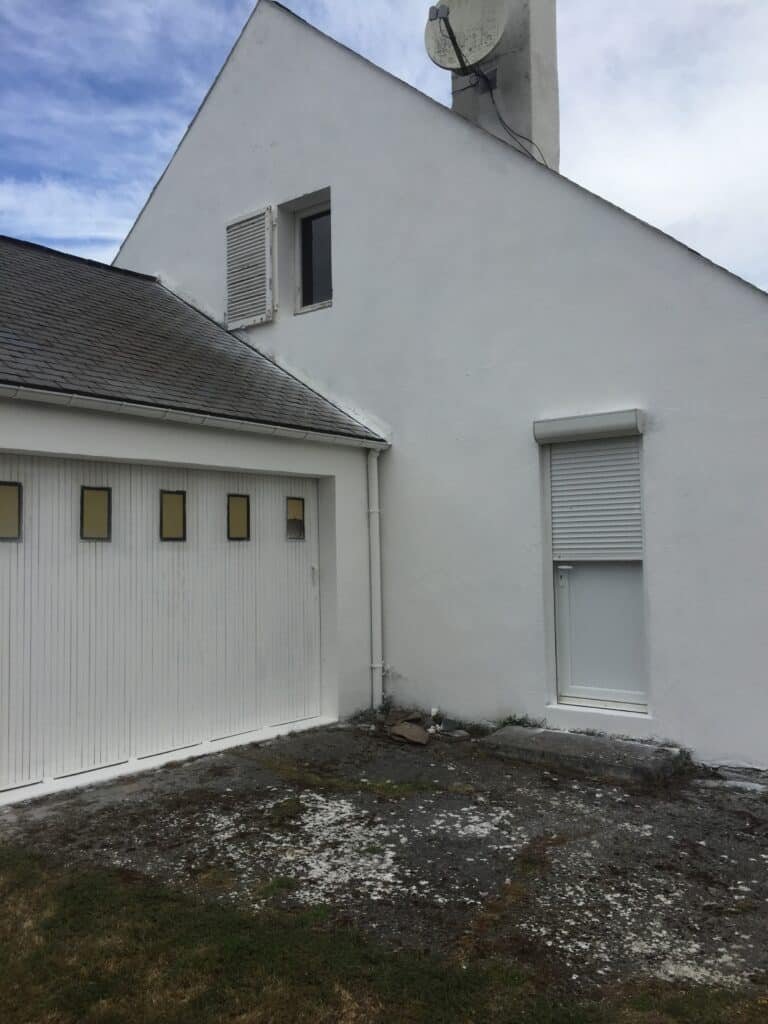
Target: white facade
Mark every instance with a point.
(118, 655)
(475, 292)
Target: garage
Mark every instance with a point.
(189, 559)
(130, 630)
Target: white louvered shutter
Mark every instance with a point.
(250, 270)
(596, 501)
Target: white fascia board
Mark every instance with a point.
(177, 416)
(592, 427)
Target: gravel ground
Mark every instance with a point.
(445, 848)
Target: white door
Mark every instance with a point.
(600, 642)
(134, 646)
(597, 541)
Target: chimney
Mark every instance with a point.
(513, 44)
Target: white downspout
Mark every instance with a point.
(374, 544)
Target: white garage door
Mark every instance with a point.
(136, 646)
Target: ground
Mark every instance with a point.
(361, 880)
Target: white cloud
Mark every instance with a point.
(662, 104)
(102, 252)
(388, 32)
(662, 108)
(108, 36)
(56, 211)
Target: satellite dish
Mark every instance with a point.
(478, 26)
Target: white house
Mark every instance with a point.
(571, 408)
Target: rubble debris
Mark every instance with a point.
(409, 732)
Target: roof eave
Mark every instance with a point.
(153, 412)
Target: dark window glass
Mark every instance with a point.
(295, 519)
(316, 259)
(173, 515)
(238, 517)
(95, 513)
(10, 511)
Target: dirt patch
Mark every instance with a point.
(444, 849)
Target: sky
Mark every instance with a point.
(663, 106)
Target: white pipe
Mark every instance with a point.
(374, 540)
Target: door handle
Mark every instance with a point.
(564, 568)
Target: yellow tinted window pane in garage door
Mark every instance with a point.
(173, 515)
(295, 529)
(96, 513)
(10, 511)
(238, 517)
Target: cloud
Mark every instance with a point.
(662, 105)
(94, 98)
(67, 211)
(388, 32)
(662, 108)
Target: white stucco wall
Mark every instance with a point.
(38, 429)
(474, 292)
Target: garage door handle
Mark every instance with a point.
(314, 574)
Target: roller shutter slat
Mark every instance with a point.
(597, 501)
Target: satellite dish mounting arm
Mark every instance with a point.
(485, 81)
(442, 13)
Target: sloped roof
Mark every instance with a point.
(74, 326)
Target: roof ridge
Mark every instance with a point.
(72, 256)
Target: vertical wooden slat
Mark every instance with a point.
(111, 651)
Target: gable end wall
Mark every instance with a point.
(475, 292)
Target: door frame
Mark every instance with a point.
(553, 697)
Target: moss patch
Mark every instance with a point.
(328, 781)
(285, 812)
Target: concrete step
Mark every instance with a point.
(601, 757)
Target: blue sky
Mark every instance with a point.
(663, 107)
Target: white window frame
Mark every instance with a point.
(592, 426)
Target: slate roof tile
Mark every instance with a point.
(71, 325)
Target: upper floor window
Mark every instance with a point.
(314, 243)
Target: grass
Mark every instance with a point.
(533, 857)
(523, 722)
(285, 812)
(93, 946)
(330, 782)
(274, 887)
